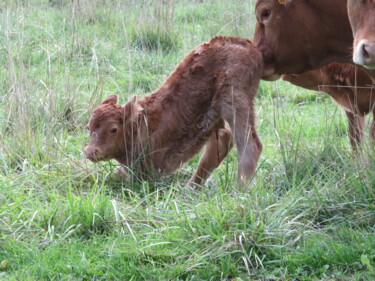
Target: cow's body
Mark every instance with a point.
(362, 20)
(302, 35)
(211, 89)
(339, 80)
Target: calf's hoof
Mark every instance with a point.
(122, 173)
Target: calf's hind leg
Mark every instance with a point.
(217, 148)
(249, 146)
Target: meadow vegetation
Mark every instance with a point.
(309, 212)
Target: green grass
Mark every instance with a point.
(309, 213)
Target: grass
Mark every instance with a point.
(308, 215)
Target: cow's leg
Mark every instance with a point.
(372, 129)
(246, 137)
(356, 129)
(217, 148)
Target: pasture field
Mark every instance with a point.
(309, 213)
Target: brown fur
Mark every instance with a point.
(302, 35)
(350, 86)
(207, 99)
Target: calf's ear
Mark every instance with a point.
(134, 99)
(133, 108)
(111, 99)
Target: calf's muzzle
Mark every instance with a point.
(93, 153)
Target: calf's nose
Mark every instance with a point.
(364, 54)
(92, 153)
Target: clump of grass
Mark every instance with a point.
(157, 33)
(193, 14)
(149, 38)
(87, 217)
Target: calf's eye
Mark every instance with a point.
(113, 130)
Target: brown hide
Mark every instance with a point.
(207, 99)
(362, 19)
(350, 86)
(301, 35)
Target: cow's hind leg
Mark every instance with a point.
(249, 146)
(217, 148)
(356, 129)
(372, 129)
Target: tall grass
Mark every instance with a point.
(309, 213)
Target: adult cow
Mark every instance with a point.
(338, 81)
(362, 19)
(295, 36)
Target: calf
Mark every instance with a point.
(207, 100)
(350, 86)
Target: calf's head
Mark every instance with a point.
(362, 19)
(111, 128)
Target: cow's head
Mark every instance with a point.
(111, 126)
(362, 19)
(295, 36)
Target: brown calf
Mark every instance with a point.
(207, 98)
(350, 86)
